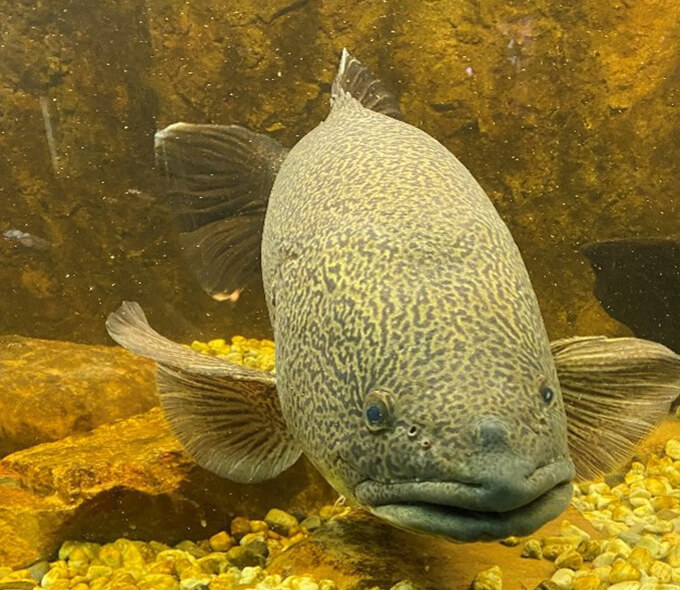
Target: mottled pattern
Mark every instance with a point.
(387, 267)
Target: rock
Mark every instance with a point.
(52, 389)
(281, 522)
(130, 479)
(490, 579)
(563, 578)
(221, 541)
(358, 551)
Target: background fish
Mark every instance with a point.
(412, 364)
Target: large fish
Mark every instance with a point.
(412, 364)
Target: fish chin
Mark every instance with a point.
(466, 526)
(512, 500)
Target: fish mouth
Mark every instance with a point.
(468, 511)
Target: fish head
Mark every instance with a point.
(480, 459)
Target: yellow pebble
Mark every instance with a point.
(673, 449)
(623, 572)
(491, 579)
(587, 582)
(641, 558)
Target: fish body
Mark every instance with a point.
(413, 367)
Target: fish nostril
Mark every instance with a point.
(491, 432)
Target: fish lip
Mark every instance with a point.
(467, 511)
(468, 526)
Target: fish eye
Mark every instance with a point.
(377, 410)
(547, 394)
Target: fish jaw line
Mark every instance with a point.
(470, 512)
(468, 526)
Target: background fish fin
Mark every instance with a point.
(218, 182)
(615, 391)
(361, 84)
(228, 417)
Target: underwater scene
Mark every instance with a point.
(340, 294)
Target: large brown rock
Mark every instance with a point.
(51, 389)
(129, 479)
(359, 552)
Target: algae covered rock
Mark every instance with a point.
(129, 479)
(52, 389)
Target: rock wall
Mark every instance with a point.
(566, 113)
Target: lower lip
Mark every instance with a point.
(458, 524)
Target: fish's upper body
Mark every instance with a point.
(413, 367)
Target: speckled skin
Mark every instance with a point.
(387, 267)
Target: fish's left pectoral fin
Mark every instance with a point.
(228, 417)
(615, 391)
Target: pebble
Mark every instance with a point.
(623, 571)
(240, 526)
(588, 582)
(569, 559)
(490, 579)
(672, 449)
(221, 541)
(283, 523)
(532, 549)
(563, 578)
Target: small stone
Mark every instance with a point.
(625, 586)
(110, 556)
(604, 559)
(571, 530)
(532, 549)
(547, 585)
(251, 575)
(283, 523)
(623, 572)
(662, 571)
(653, 545)
(510, 541)
(603, 572)
(672, 449)
(213, 563)
(491, 579)
(221, 541)
(569, 559)
(589, 550)
(618, 547)
(641, 558)
(587, 582)
(240, 526)
(563, 578)
(553, 551)
(673, 557)
(243, 557)
(250, 537)
(37, 570)
(404, 585)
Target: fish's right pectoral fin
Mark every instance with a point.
(615, 392)
(228, 417)
(218, 182)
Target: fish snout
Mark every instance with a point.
(491, 433)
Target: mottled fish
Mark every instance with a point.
(412, 364)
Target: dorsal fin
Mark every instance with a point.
(360, 83)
